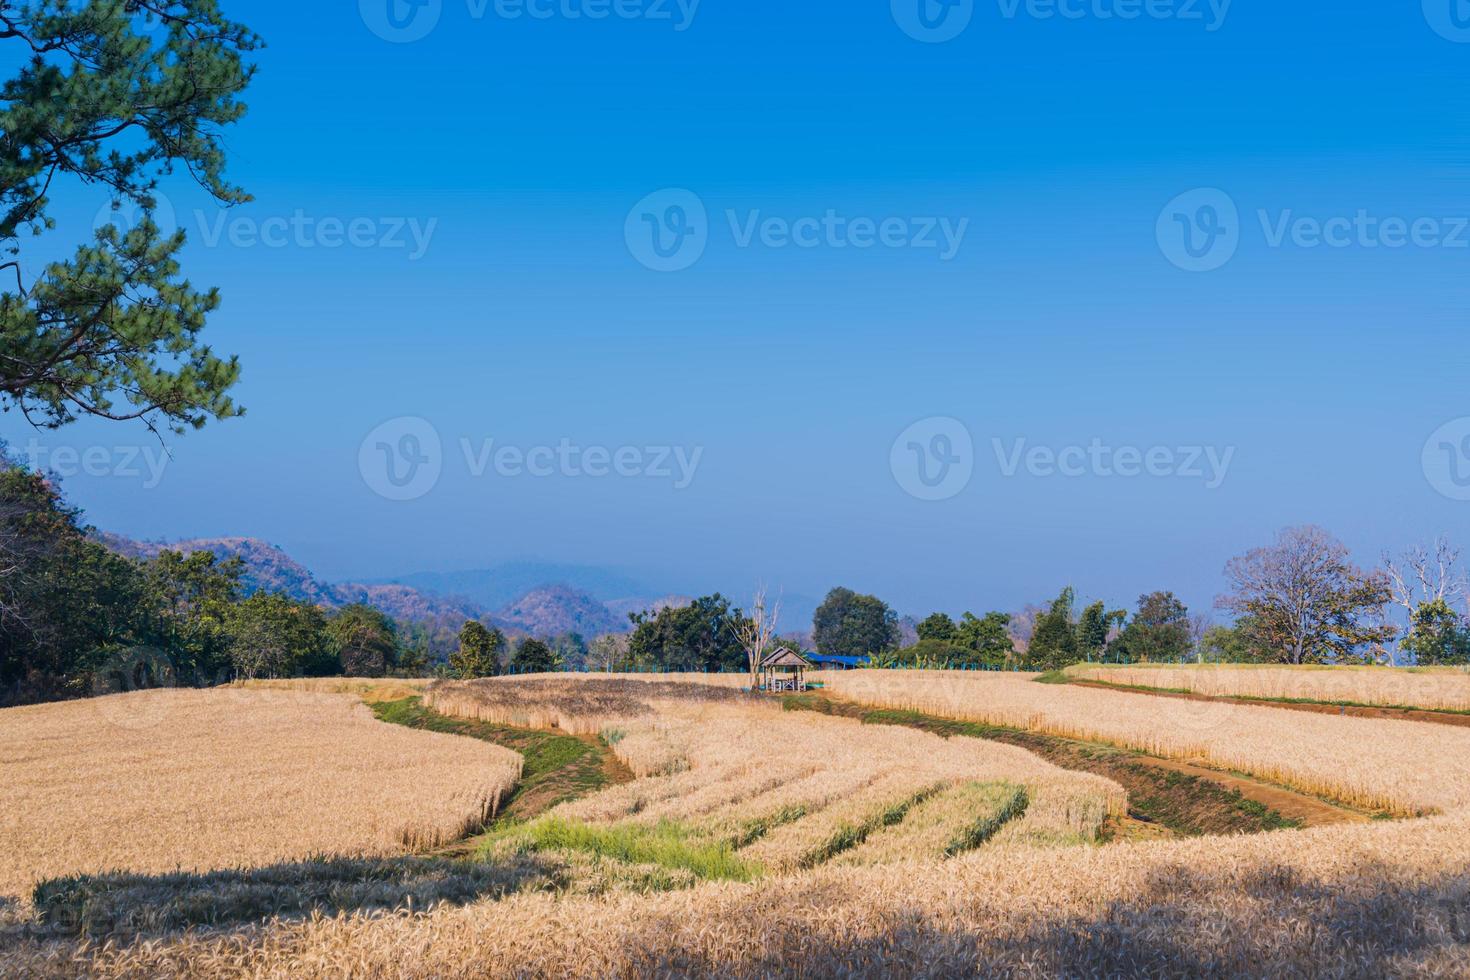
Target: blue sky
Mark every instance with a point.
(519, 147)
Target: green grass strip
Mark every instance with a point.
(1012, 808)
(666, 844)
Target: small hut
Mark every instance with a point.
(784, 670)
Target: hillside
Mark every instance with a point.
(500, 585)
(540, 609)
(267, 567)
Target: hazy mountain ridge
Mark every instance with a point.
(541, 610)
(502, 584)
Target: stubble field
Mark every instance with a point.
(756, 841)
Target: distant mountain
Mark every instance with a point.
(621, 608)
(409, 605)
(500, 585)
(539, 609)
(554, 609)
(267, 568)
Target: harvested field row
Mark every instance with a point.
(1366, 763)
(1370, 900)
(1437, 688)
(792, 790)
(200, 780)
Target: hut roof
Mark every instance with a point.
(785, 657)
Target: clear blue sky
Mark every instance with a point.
(1060, 320)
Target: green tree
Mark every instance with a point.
(273, 635)
(925, 655)
(570, 649)
(1234, 644)
(114, 331)
(479, 651)
(532, 656)
(1093, 628)
(1054, 638)
(938, 626)
(189, 600)
(364, 640)
(702, 636)
(1158, 632)
(1438, 635)
(67, 604)
(854, 625)
(986, 639)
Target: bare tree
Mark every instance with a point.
(1199, 625)
(608, 651)
(755, 631)
(1422, 575)
(1307, 600)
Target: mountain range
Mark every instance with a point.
(521, 598)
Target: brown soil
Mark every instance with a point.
(1352, 710)
(1306, 811)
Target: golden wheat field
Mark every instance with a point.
(821, 846)
(164, 780)
(1443, 688)
(1403, 767)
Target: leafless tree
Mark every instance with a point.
(1199, 625)
(1422, 575)
(608, 651)
(755, 631)
(1308, 601)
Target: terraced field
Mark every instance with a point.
(909, 823)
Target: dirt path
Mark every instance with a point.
(1352, 710)
(1165, 797)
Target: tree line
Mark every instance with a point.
(78, 619)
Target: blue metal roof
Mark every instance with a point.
(829, 658)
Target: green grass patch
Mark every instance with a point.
(1011, 808)
(667, 844)
(847, 836)
(754, 830)
(1053, 677)
(558, 767)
